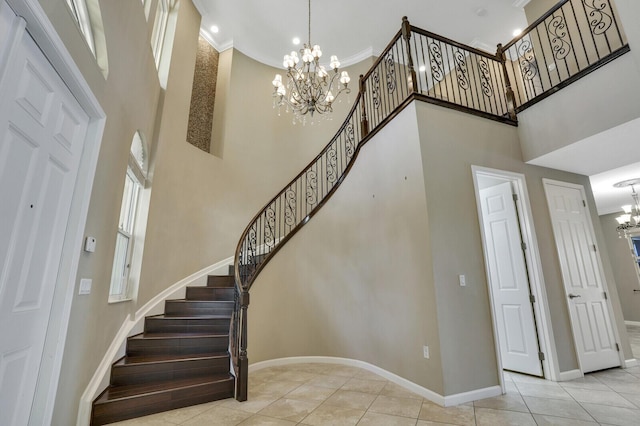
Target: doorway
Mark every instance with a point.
(523, 337)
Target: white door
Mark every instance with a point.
(590, 317)
(509, 283)
(42, 131)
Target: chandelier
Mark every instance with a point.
(309, 88)
(630, 210)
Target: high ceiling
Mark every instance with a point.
(356, 29)
(353, 29)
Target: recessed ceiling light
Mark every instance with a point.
(296, 41)
(481, 11)
(517, 32)
(214, 29)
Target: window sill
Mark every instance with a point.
(114, 301)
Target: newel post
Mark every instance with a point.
(406, 35)
(511, 98)
(364, 123)
(243, 360)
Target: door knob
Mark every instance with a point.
(573, 296)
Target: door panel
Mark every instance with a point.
(509, 282)
(42, 131)
(589, 311)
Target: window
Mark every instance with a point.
(124, 258)
(81, 15)
(159, 29)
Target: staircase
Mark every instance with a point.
(180, 359)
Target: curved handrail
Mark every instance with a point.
(384, 90)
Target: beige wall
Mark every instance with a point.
(625, 271)
(356, 282)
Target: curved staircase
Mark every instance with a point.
(180, 359)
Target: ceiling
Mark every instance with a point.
(357, 29)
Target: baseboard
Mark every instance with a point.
(565, 376)
(630, 363)
(636, 323)
(432, 396)
(96, 384)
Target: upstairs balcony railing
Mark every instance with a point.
(421, 65)
(571, 40)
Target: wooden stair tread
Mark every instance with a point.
(190, 335)
(116, 393)
(161, 358)
(191, 317)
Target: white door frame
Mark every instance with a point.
(534, 266)
(605, 286)
(47, 39)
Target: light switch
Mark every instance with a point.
(85, 286)
(462, 280)
(90, 244)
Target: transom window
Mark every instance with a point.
(81, 15)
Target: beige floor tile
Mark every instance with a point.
(523, 378)
(458, 415)
(278, 388)
(143, 421)
(509, 401)
(295, 376)
(600, 397)
(368, 375)
(560, 421)
(586, 382)
(344, 370)
(491, 417)
(391, 389)
(557, 408)
(254, 403)
(632, 397)
(428, 423)
(625, 386)
(328, 415)
(618, 416)
(310, 393)
(218, 416)
(332, 382)
(350, 399)
(404, 407)
(361, 385)
(316, 368)
(378, 419)
(259, 420)
(543, 390)
(289, 409)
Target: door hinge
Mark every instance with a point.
(532, 298)
(541, 356)
(584, 203)
(617, 347)
(524, 246)
(594, 247)
(604, 293)
(515, 197)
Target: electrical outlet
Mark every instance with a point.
(462, 280)
(425, 351)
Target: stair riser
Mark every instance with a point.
(176, 346)
(191, 307)
(221, 281)
(122, 375)
(192, 325)
(210, 293)
(144, 405)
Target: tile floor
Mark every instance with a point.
(329, 394)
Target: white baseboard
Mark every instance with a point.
(432, 396)
(131, 323)
(636, 323)
(630, 363)
(565, 376)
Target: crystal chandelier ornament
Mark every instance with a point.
(631, 211)
(310, 88)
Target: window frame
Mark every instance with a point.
(80, 13)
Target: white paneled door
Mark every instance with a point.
(509, 283)
(591, 320)
(42, 131)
